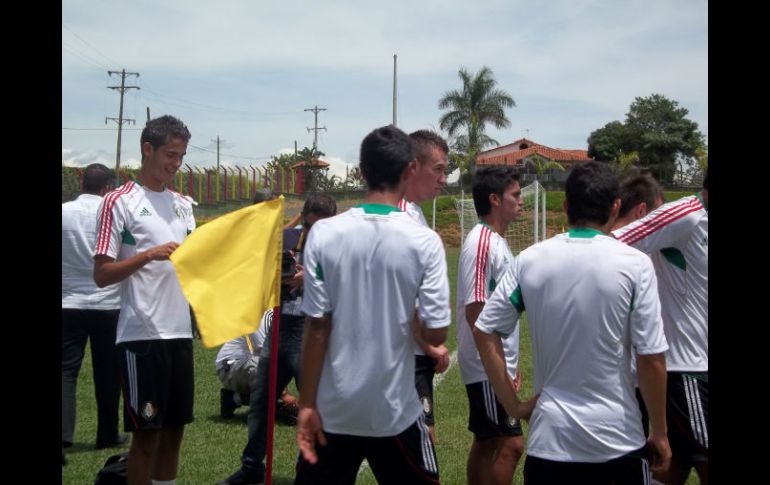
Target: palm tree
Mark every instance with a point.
(541, 164)
(480, 102)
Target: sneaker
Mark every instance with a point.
(121, 439)
(240, 478)
(227, 404)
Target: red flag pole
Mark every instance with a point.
(272, 393)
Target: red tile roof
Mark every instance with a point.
(510, 154)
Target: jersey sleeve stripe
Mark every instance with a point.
(402, 205)
(661, 220)
(482, 254)
(103, 240)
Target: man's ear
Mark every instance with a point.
(494, 200)
(410, 170)
(641, 210)
(147, 149)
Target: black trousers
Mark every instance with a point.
(77, 326)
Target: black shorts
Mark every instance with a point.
(487, 417)
(687, 415)
(424, 370)
(405, 459)
(158, 385)
(630, 469)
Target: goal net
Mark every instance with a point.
(528, 229)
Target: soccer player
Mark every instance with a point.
(675, 236)
(485, 257)
(425, 184)
(364, 269)
(140, 224)
(591, 301)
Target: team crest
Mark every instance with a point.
(511, 422)
(425, 405)
(149, 410)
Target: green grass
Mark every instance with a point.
(212, 447)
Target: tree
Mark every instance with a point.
(470, 109)
(541, 164)
(657, 129)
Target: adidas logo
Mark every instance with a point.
(145, 212)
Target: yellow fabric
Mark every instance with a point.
(230, 270)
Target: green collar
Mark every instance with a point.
(584, 232)
(382, 209)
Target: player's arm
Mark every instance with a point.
(108, 271)
(651, 370)
(315, 343)
(433, 296)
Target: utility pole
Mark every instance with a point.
(120, 119)
(148, 113)
(315, 111)
(395, 60)
(527, 130)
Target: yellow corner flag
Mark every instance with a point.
(230, 270)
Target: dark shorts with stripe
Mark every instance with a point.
(424, 370)
(487, 417)
(158, 385)
(687, 415)
(405, 459)
(630, 469)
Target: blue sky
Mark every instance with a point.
(246, 70)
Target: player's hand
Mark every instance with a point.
(523, 409)
(162, 252)
(440, 355)
(660, 452)
(309, 431)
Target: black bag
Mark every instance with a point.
(115, 471)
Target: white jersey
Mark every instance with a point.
(415, 212)
(365, 268)
(591, 302)
(78, 237)
(484, 259)
(244, 347)
(675, 236)
(133, 219)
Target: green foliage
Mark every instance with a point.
(469, 110)
(657, 129)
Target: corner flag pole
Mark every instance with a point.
(272, 392)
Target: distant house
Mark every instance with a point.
(523, 150)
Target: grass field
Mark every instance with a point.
(212, 446)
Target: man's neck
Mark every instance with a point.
(411, 196)
(146, 181)
(496, 223)
(604, 228)
(383, 197)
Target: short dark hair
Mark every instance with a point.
(158, 131)
(425, 141)
(262, 195)
(591, 189)
(637, 189)
(491, 180)
(321, 205)
(95, 177)
(385, 154)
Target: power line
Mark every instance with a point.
(97, 129)
(122, 88)
(83, 56)
(89, 45)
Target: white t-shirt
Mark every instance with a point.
(484, 259)
(415, 212)
(78, 237)
(246, 346)
(590, 302)
(365, 268)
(133, 219)
(675, 235)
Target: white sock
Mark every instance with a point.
(164, 482)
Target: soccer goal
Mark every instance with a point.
(528, 229)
